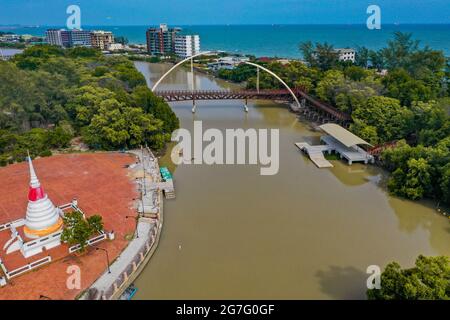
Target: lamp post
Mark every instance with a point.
(137, 225)
(143, 168)
(107, 257)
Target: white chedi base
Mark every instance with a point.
(41, 215)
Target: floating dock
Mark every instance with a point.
(167, 183)
(338, 140)
(315, 153)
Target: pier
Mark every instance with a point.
(340, 141)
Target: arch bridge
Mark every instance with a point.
(300, 101)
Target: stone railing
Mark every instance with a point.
(25, 268)
(132, 267)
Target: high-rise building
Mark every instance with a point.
(102, 39)
(54, 37)
(161, 41)
(187, 45)
(80, 38)
(69, 38)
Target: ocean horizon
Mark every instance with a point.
(280, 40)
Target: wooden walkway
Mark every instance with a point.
(315, 153)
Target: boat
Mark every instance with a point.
(165, 174)
(129, 293)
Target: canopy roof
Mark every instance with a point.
(343, 135)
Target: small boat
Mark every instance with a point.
(129, 293)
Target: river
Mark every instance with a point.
(305, 233)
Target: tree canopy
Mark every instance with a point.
(429, 279)
(50, 95)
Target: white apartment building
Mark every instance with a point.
(54, 37)
(228, 63)
(346, 54)
(187, 45)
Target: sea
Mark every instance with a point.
(280, 40)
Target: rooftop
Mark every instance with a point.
(344, 136)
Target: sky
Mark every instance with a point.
(205, 12)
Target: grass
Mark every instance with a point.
(332, 156)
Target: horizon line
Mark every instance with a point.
(230, 24)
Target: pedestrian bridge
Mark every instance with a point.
(307, 102)
(300, 101)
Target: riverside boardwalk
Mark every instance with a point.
(338, 140)
(112, 283)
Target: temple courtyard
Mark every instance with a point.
(102, 185)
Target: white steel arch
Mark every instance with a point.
(177, 65)
(211, 52)
(278, 78)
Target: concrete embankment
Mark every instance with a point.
(127, 267)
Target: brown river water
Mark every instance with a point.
(305, 233)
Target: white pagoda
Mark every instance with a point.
(42, 226)
(42, 217)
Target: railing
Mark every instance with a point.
(25, 268)
(180, 95)
(18, 223)
(134, 264)
(90, 242)
(377, 150)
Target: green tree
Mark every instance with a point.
(428, 280)
(322, 56)
(77, 230)
(362, 57)
(60, 136)
(116, 126)
(398, 52)
(402, 86)
(387, 115)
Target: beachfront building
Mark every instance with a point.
(227, 63)
(75, 38)
(7, 53)
(80, 38)
(54, 37)
(346, 54)
(115, 47)
(10, 38)
(187, 45)
(68, 38)
(161, 41)
(102, 39)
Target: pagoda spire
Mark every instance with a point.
(34, 181)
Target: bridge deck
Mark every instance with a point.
(278, 94)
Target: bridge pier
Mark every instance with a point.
(193, 106)
(246, 105)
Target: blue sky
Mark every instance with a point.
(186, 12)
